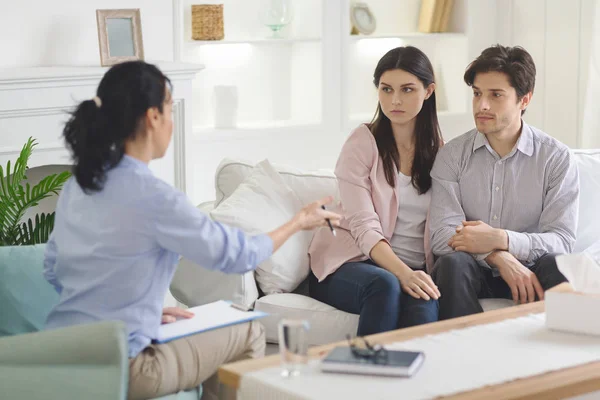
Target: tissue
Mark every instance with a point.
(594, 251)
(581, 270)
(573, 308)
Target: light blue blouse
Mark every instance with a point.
(112, 254)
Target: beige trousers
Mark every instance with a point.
(187, 362)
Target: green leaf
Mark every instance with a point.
(3, 184)
(24, 234)
(31, 232)
(46, 226)
(9, 215)
(15, 200)
(36, 230)
(39, 232)
(13, 180)
(21, 163)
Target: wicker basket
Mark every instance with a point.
(207, 22)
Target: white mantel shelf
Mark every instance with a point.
(35, 101)
(16, 76)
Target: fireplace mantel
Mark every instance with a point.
(34, 101)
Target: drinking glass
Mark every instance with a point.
(293, 345)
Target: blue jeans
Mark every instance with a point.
(374, 293)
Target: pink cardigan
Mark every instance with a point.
(370, 209)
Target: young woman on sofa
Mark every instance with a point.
(119, 232)
(376, 265)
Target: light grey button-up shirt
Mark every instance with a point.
(532, 193)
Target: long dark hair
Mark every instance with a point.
(98, 128)
(427, 130)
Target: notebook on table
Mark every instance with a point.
(206, 317)
(393, 363)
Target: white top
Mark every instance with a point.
(408, 238)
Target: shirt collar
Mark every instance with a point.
(128, 161)
(524, 144)
(480, 141)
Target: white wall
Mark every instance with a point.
(64, 32)
(558, 35)
(590, 128)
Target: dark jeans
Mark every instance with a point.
(374, 293)
(462, 281)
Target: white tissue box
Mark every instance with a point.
(571, 311)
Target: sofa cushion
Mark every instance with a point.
(26, 298)
(588, 230)
(495, 304)
(308, 185)
(262, 203)
(327, 324)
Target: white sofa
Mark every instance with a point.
(193, 285)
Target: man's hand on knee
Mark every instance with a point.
(523, 283)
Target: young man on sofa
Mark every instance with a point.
(505, 195)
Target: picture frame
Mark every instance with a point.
(119, 36)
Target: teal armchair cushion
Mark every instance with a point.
(86, 361)
(26, 298)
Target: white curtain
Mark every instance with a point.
(590, 132)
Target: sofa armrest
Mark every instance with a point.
(84, 361)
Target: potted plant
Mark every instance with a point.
(15, 199)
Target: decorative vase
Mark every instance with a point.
(276, 14)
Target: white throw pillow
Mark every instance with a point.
(260, 204)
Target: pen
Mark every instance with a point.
(329, 223)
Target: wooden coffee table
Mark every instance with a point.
(558, 384)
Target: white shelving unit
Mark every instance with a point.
(411, 36)
(267, 73)
(318, 78)
(265, 41)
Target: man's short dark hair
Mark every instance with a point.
(515, 62)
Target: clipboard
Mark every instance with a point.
(206, 317)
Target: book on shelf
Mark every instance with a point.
(434, 15)
(427, 15)
(445, 18)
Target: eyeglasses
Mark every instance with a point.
(367, 350)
